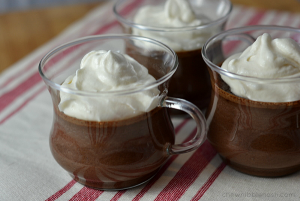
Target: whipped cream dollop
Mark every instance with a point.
(102, 71)
(266, 58)
(173, 14)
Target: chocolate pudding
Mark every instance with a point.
(114, 154)
(111, 127)
(257, 138)
(191, 81)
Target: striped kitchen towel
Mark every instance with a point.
(29, 172)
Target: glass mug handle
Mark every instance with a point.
(196, 114)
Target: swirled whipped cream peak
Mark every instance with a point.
(173, 14)
(266, 58)
(103, 71)
(178, 13)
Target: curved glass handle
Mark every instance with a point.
(196, 114)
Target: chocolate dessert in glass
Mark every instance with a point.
(183, 25)
(253, 115)
(111, 128)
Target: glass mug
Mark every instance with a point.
(254, 137)
(123, 153)
(191, 81)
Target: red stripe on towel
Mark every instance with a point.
(209, 182)
(87, 194)
(188, 173)
(62, 191)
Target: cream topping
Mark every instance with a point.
(173, 14)
(266, 58)
(102, 71)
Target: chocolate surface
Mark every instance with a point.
(257, 138)
(191, 81)
(114, 154)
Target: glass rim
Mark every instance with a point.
(170, 29)
(129, 91)
(242, 30)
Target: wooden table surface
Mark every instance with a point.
(22, 32)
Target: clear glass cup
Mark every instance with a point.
(254, 137)
(191, 81)
(123, 153)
